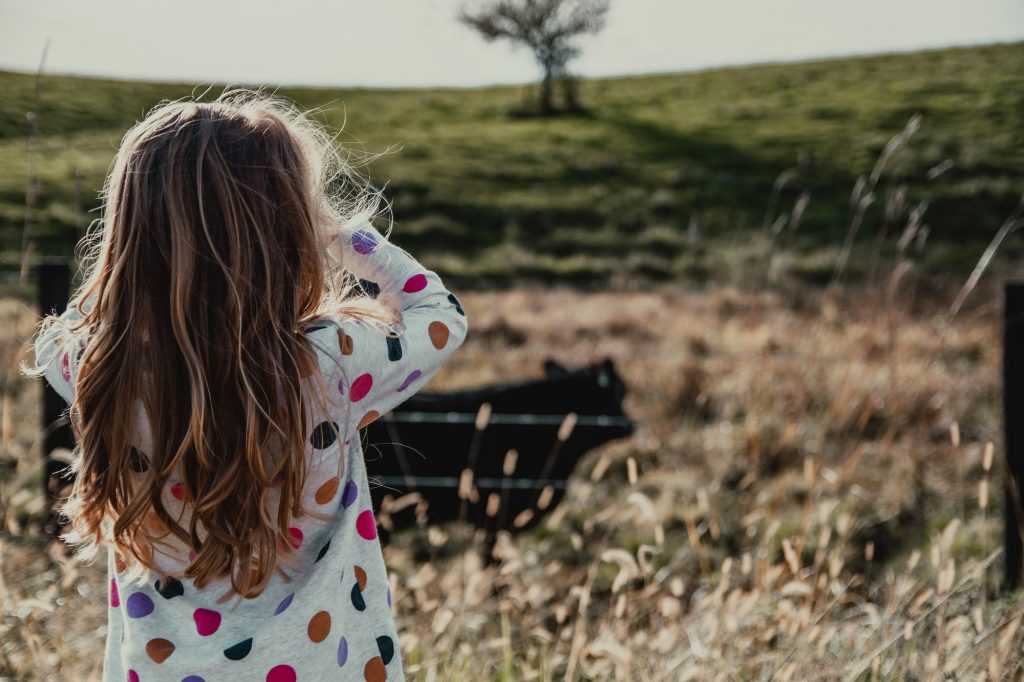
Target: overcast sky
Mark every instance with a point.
(420, 43)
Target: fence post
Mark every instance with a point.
(53, 282)
(1013, 405)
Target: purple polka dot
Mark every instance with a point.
(285, 603)
(348, 496)
(342, 651)
(193, 678)
(341, 387)
(364, 242)
(139, 605)
(413, 376)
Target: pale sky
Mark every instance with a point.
(390, 43)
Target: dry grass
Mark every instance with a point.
(806, 498)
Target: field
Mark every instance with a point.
(814, 491)
(817, 514)
(666, 177)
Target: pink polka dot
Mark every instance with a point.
(415, 283)
(207, 621)
(360, 387)
(296, 537)
(133, 676)
(65, 368)
(115, 599)
(281, 673)
(365, 525)
(191, 555)
(178, 491)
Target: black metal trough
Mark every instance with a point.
(499, 456)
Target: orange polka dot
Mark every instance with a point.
(319, 626)
(368, 418)
(326, 492)
(375, 670)
(159, 649)
(438, 332)
(360, 577)
(344, 342)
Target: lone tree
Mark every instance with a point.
(548, 28)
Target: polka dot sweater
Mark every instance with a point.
(333, 619)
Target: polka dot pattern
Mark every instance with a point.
(295, 537)
(319, 626)
(159, 650)
(324, 435)
(65, 367)
(374, 671)
(360, 387)
(139, 605)
(169, 588)
(237, 652)
(439, 334)
(365, 525)
(417, 282)
(207, 621)
(285, 603)
(281, 673)
(368, 418)
(327, 490)
(342, 652)
(407, 382)
(348, 497)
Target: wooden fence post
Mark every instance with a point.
(53, 281)
(1013, 404)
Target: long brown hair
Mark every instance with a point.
(209, 262)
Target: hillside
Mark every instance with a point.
(666, 176)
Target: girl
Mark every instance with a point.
(219, 364)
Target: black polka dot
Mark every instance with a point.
(324, 435)
(137, 460)
(239, 651)
(372, 289)
(394, 348)
(357, 598)
(323, 551)
(455, 302)
(386, 647)
(172, 587)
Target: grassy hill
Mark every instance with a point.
(665, 177)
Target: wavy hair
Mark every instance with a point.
(210, 260)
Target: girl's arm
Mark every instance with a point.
(57, 352)
(382, 371)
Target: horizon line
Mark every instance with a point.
(506, 84)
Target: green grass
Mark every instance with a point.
(486, 197)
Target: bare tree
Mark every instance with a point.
(548, 28)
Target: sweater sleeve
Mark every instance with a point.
(58, 352)
(384, 369)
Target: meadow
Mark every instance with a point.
(667, 177)
(814, 490)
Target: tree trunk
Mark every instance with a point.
(546, 86)
(570, 92)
